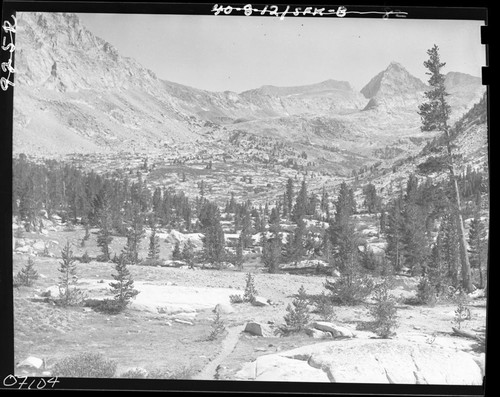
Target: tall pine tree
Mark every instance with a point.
(135, 234)
(104, 237)
(435, 113)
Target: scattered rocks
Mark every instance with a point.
(259, 301)
(317, 334)
(178, 320)
(258, 329)
(335, 330)
(24, 249)
(39, 245)
(223, 308)
(31, 363)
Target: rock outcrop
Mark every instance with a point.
(367, 361)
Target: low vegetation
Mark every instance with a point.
(85, 365)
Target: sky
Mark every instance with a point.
(238, 53)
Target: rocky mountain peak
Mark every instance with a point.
(55, 51)
(394, 79)
(392, 88)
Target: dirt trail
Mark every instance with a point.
(228, 345)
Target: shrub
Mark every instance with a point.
(152, 262)
(349, 289)
(236, 299)
(85, 365)
(134, 373)
(324, 307)
(181, 373)
(426, 293)
(462, 313)
(384, 311)
(107, 306)
(85, 258)
(27, 275)
(19, 233)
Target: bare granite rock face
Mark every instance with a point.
(367, 361)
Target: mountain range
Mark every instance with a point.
(75, 93)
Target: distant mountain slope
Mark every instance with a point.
(324, 98)
(464, 91)
(75, 93)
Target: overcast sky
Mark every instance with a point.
(238, 53)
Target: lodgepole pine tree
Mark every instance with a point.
(27, 275)
(104, 237)
(176, 252)
(477, 244)
(435, 113)
(135, 233)
(123, 287)
(154, 244)
(68, 276)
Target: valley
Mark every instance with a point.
(158, 205)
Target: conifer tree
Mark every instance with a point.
(123, 287)
(324, 204)
(451, 247)
(372, 201)
(250, 291)
(157, 201)
(295, 244)
(176, 252)
(188, 254)
(271, 252)
(104, 237)
(135, 233)
(415, 244)
(67, 279)
(27, 275)
(477, 246)
(247, 230)
(154, 244)
(297, 316)
(289, 194)
(345, 205)
(274, 220)
(436, 271)
(214, 244)
(394, 235)
(239, 254)
(382, 222)
(342, 233)
(300, 207)
(435, 113)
